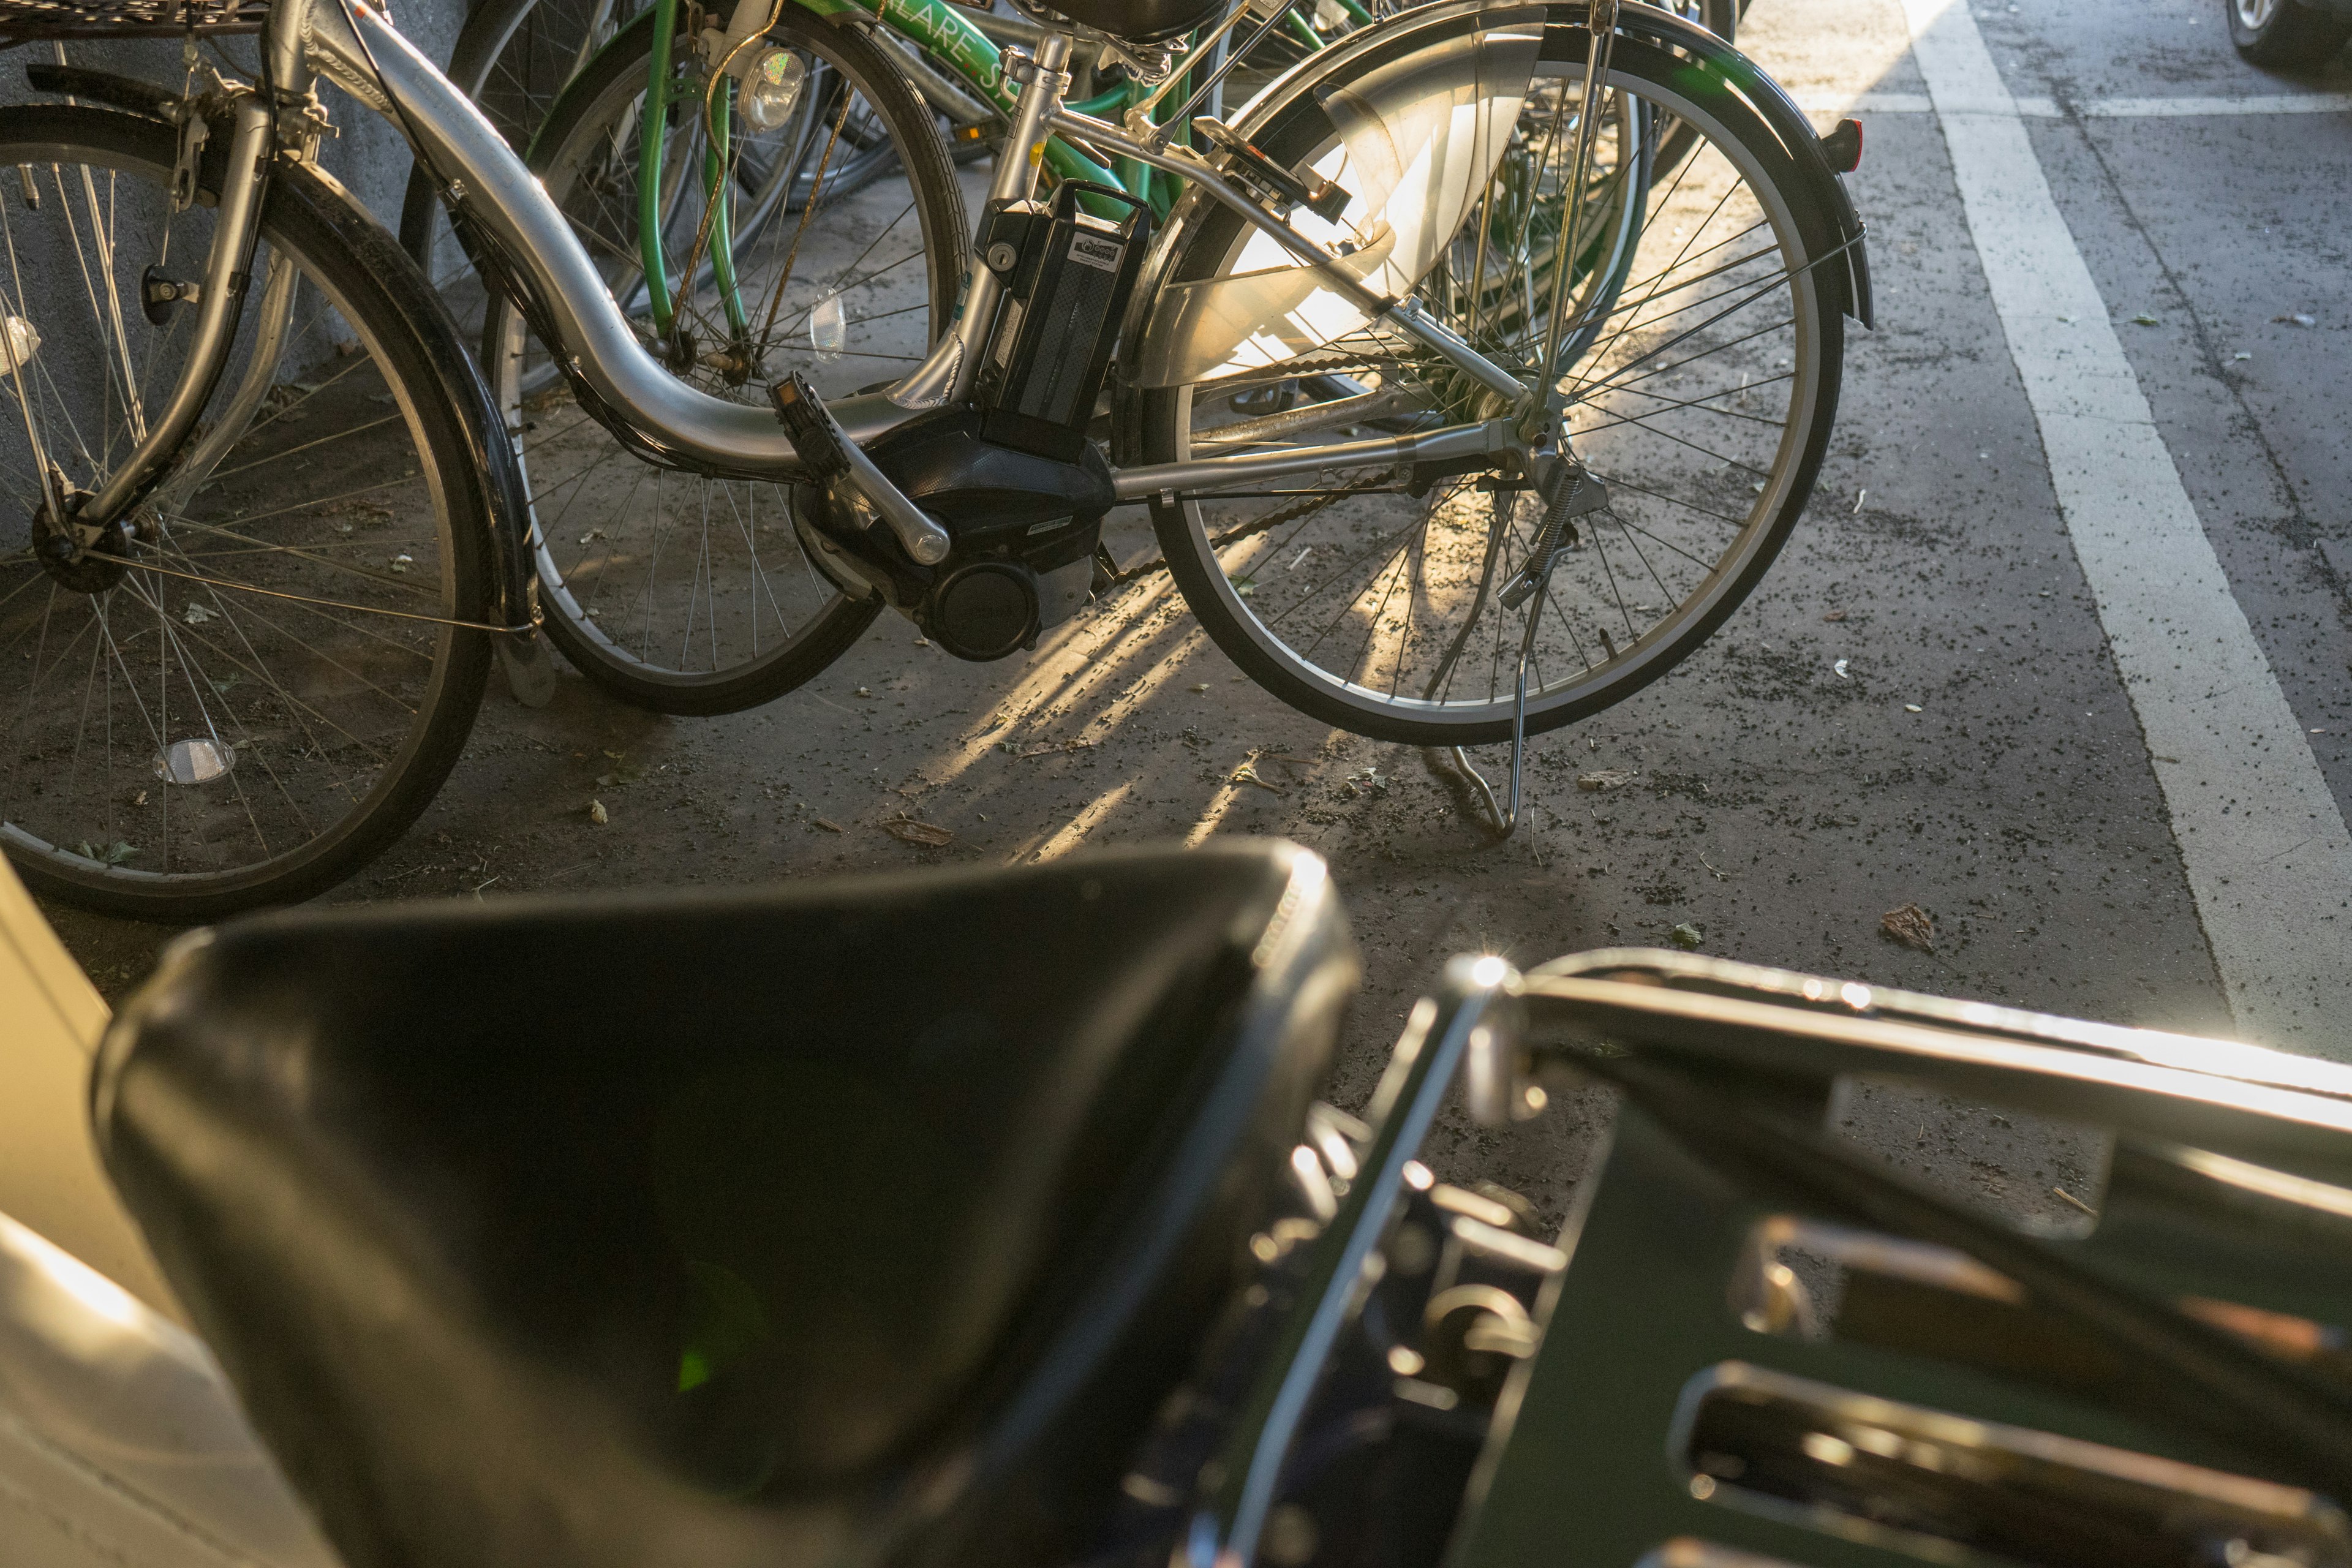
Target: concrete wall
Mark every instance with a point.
(369, 155)
(51, 259)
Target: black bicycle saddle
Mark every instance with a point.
(864, 1221)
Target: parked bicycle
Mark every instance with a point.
(595, 140)
(1044, 1253)
(1457, 415)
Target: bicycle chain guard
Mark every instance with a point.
(1419, 138)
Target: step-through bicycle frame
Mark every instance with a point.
(510, 215)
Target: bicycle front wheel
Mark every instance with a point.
(679, 591)
(1701, 375)
(259, 683)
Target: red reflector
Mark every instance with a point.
(1842, 146)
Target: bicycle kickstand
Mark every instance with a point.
(1574, 492)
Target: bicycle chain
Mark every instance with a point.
(1271, 521)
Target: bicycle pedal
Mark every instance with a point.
(814, 435)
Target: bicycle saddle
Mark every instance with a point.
(1144, 21)
(862, 1221)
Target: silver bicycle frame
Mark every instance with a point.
(355, 46)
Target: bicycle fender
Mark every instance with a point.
(1841, 235)
(1780, 112)
(492, 468)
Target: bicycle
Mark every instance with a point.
(1438, 256)
(1045, 1253)
(519, 50)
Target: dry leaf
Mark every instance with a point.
(906, 830)
(1603, 778)
(830, 825)
(1835, 616)
(1247, 774)
(597, 814)
(1910, 925)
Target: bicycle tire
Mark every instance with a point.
(572, 132)
(513, 60)
(357, 269)
(1290, 125)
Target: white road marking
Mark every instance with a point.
(2089, 108)
(2268, 857)
(2170, 108)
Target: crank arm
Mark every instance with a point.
(834, 458)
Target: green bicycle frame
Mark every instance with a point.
(950, 39)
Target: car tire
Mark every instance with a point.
(2283, 33)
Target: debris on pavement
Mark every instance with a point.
(1838, 670)
(1688, 937)
(597, 814)
(1910, 925)
(1912, 707)
(828, 823)
(1603, 779)
(2063, 1195)
(908, 830)
(2297, 319)
(2143, 320)
(1835, 616)
(1247, 774)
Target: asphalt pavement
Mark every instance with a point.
(2059, 655)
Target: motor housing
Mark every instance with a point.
(1025, 525)
(1011, 475)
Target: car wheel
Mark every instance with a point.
(2283, 33)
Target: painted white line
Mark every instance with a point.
(2268, 857)
(2170, 108)
(1962, 103)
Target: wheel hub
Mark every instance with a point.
(85, 559)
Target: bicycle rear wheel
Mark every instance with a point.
(1701, 393)
(259, 686)
(679, 591)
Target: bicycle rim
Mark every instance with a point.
(1701, 396)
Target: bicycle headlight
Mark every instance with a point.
(772, 88)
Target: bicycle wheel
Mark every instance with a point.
(1701, 392)
(259, 687)
(679, 591)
